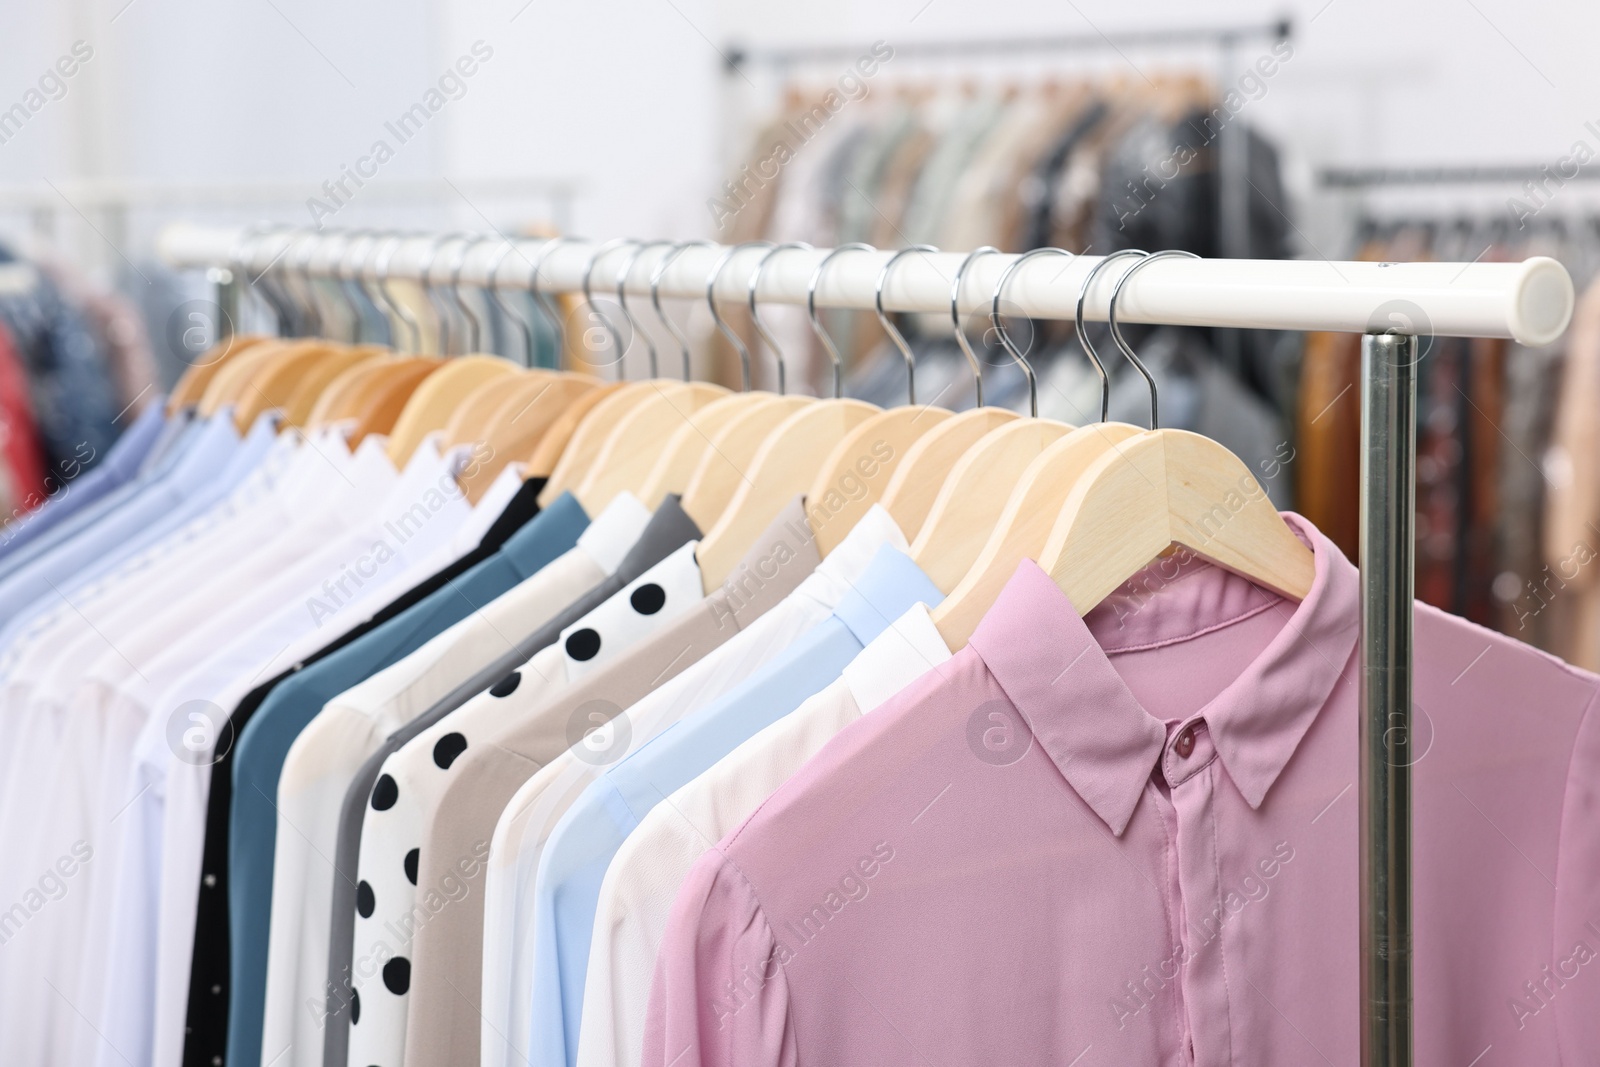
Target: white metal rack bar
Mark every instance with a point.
(1391, 303)
(1529, 301)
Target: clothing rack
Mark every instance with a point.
(1374, 177)
(1391, 304)
(739, 57)
(1232, 158)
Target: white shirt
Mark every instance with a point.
(420, 771)
(325, 758)
(254, 611)
(644, 877)
(532, 814)
(420, 548)
(130, 625)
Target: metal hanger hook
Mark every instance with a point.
(622, 299)
(955, 317)
(440, 311)
(243, 253)
(889, 327)
(523, 325)
(381, 276)
(1083, 332)
(811, 310)
(474, 327)
(716, 317)
(656, 275)
(340, 271)
(755, 319)
(1000, 329)
(301, 266)
(1116, 329)
(594, 309)
(546, 308)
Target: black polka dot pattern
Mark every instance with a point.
(412, 858)
(397, 976)
(507, 685)
(355, 1007)
(583, 644)
(447, 748)
(365, 901)
(648, 599)
(385, 793)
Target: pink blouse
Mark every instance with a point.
(1132, 839)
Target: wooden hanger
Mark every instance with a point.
(1024, 525)
(789, 458)
(570, 446)
(522, 423)
(931, 461)
(275, 384)
(322, 374)
(631, 448)
(916, 482)
(710, 488)
(964, 513)
(1127, 505)
(857, 471)
(568, 452)
(627, 460)
(853, 476)
(191, 385)
(372, 395)
(232, 382)
(1165, 488)
(437, 399)
(785, 465)
(566, 434)
(686, 449)
(1022, 471)
(470, 423)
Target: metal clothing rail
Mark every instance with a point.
(739, 57)
(1392, 304)
(1529, 301)
(1374, 177)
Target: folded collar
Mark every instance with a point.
(1097, 733)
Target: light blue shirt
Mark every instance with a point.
(574, 862)
(118, 466)
(214, 462)
(152, 466)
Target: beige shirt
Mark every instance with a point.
(445, 993)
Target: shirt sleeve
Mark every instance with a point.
(1577, 923)
(720, 996)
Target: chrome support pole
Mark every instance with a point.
(1388, 549)
(227, 301)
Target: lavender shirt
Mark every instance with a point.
(1132, 839)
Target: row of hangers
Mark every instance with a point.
(975, 492)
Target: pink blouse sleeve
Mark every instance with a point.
(1577, 924)
(719, 996)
